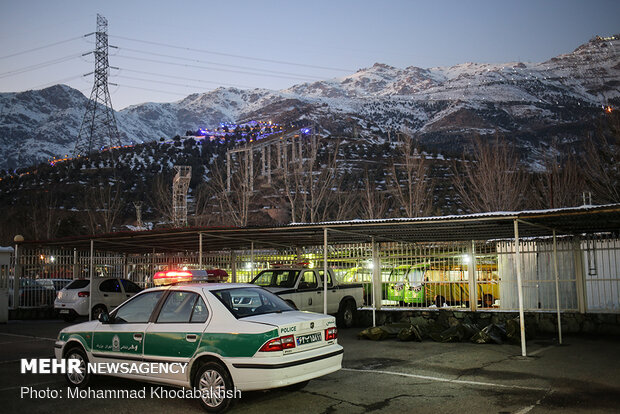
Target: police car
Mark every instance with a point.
(231, 336)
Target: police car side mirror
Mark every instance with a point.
(104, 317)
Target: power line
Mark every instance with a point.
(208, 68)
(184, 78)
(59, 81)
(235, 56)
(151, 90)
(300, 76)
(40, 65)
(160, 82)
(46, 26)
(23, 52)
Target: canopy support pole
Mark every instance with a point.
(200, 250)
(90, 285)
(251, 261)
(471, 277)
(520, 288)
(557, 285)
(325, 274)
(376, 275)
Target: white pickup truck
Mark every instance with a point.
(303, 288)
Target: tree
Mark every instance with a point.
(103, 205)
(492, 179)
(311, 188)
(375, 202)
(408, 180)
(160, 197)
(561, 184)
(602, 161)
(43, 214)
(233, 206)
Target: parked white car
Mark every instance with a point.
(108, 292)
(229, 336)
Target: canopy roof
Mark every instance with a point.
(482, 226)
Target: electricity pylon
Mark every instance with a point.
(180, 185)
(99, 123)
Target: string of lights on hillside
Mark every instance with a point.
(243, 133)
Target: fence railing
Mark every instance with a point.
(459, 275)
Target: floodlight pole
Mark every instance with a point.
(17, 276)
(520, 288)
(557, 285)
(76, 272)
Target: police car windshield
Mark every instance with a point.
(284, 278)
(244, 302)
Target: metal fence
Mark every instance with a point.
(538, 275)
(459, 275)
(601, 264)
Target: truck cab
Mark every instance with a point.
(303, 288)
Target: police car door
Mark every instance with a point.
(175, 333)
(122, 338)
(307, 289)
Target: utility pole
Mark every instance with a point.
(99, 123)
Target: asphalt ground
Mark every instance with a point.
(580, 376)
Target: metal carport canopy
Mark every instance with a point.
(482, 226)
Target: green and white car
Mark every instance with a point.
(232, 336)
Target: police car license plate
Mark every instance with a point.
(307, 339)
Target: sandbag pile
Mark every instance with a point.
(444, 330)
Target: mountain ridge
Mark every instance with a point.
(529, 102)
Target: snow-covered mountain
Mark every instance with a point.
(36, 125)
(529, 102)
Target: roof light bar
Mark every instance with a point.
(170, 277)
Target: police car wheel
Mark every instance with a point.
(213, 381)
(80, 378)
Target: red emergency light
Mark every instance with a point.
(170, 277)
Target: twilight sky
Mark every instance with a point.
(169, 49)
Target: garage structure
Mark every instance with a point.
(545, 260)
